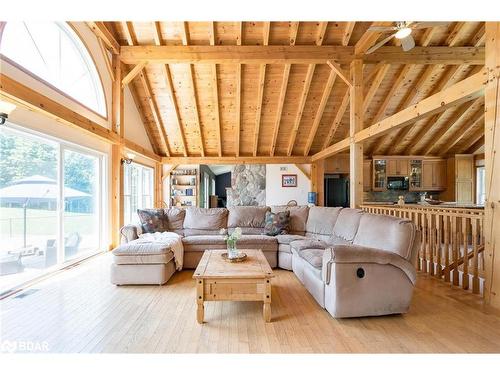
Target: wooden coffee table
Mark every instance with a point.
(220, 280)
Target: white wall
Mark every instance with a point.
(277, 195)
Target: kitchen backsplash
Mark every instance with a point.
(392, 196)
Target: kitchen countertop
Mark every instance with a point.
(443, 205)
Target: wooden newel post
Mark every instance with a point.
(492, 163)
(356, 125)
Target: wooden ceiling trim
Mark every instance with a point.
(319, 113)
(102, 32)
(260, 92)
(238, 92)
(477, 118)
(337, 120)
(238, 160)
(294, 27)
(346, 36)
(215, 92)
(185, 41)
(440, 134)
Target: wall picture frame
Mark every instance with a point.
(288, 180)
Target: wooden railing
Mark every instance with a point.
(452, 241)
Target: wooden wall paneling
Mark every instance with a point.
(492, 163)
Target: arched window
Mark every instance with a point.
(55, 53)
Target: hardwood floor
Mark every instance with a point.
(80, 311)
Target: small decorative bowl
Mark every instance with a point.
(240, 258)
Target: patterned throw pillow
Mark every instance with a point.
(153, 220)
(277, 223)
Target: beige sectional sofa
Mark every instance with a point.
(353, 263)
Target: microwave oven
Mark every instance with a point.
(397, 183)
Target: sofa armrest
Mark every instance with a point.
(129, 233)
(360, 254)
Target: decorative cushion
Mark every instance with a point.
(298, 217)
(277, 223)
(152, 220)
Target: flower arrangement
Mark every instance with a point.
(231, 240)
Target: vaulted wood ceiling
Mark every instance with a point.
(293, 109)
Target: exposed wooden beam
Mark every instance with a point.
(260, 91)
(107, 59)
(303, 170)
(455, 34)
(320, 35)
(461, 92)
(340, 72)
(239, 41)
(238, 160)
(128, 29)
(477, 118)
(133, 73)
(356, 125)
(134, 147)
(117, 202)
(369, 38)
(346, 36)
(458, 116)
(303, 54)
(117, 99)
(337, 120)
(471, 141)
(300, 108)
(379, 77)
(215, 93)
(102, 32)
(476, 146)
(294, 27)
(319, 112)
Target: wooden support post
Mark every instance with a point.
(492, 163)
(116, 194)
(356, 125)
(317, 181)
(117, 97)
(158, 185)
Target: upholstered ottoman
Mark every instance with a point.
(142, 263)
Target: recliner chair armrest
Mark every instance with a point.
(129, 233)
(362, 254)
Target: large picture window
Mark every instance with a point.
(53, 52)
(137, 190)
(50, 205)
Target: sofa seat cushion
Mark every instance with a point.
(335, 240)
(308, 244)
(257, 241)
(142, 253)
(313, 256)
(205, 240)
(287, 238)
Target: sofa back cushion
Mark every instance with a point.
(347, 223)
(251, 219)
(201, 221)
(321, 221)
(386, 233)
(298, 217)
(175, 219)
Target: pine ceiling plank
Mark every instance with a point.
(319, 113)
(476, 119)
(473, 139)
(379, 77)
(476, 146)
(215, 90)
(337, 120)
(294, 27)
(347, 33)
(260, 91)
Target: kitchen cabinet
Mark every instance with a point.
(415, 174)
(379, 174)
(433, 175)
(461, 179)
(337, 164)
(367, 175)
(397, 167)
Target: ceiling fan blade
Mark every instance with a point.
(424, 25)
(407, 43)
(382, 28)
(379, 44)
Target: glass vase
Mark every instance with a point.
(232, 251)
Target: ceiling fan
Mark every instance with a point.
(402, 31)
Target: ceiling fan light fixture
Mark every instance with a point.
(403, 33)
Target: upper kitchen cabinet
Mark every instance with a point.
(337, 164)
(433, 175)
(461, 182)
(397, 167)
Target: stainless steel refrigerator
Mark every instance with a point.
(336, 190)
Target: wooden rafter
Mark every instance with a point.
(239, 42)
(461, 92)
(303, 54)
(337, 120)
(475, 141)
(170, 87)
(369, 38)
(476, 119)
(215, 92)
(102, 32)
(294, 27)
(185, 42)
(107, 60)
(133, 73)
(346, 36)
(260, 91)
(379, 77)
(458, 116)
(319, 113)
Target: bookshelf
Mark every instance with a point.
(184, 187)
